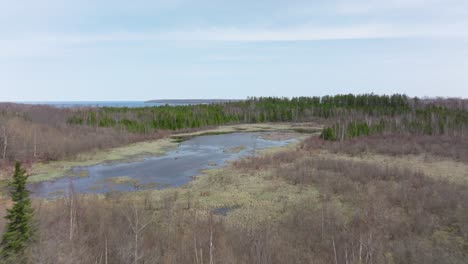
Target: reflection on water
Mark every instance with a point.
(175, 168)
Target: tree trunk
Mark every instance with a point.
(5, 142)
(323, 222)
(195, 247)
(360, 250)
(71, 218)
(346, 254)
(105, 256)
(334, 251)
(136, 235)
(137, 224)
(35, 144)
(211, 239)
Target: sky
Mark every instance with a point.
(91, 50)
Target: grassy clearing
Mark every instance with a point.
(257, 196)
(254, 196)
(307, 128)
(436, 167)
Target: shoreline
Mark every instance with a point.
(56, 169)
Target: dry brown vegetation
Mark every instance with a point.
(364, 213)
(359, 211)
(393, 215)
(40, 133)
(455, 148)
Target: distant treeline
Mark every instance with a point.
(252, 110)
(419, 120)
(346, 116)
(34, 132)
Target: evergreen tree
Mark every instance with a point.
(328, 134)
(19, 229)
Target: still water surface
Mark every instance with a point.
(175, 168)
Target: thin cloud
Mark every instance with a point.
(372, 6)
(47, 44)
(379, 31)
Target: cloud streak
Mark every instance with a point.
(46, 44)
(377, 31)
(372, 6)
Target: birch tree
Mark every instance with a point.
(5, 142)
(137, 221)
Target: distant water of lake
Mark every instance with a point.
(131, 104)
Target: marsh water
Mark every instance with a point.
(175, 168)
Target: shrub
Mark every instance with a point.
(328, 134)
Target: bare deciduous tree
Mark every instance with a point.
(138, 221)
(5, 142)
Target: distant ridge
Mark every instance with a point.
(192, 101)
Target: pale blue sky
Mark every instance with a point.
(137, 50)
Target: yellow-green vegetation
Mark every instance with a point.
(280, 136)
(258, 196)
(121, 180)
(255, 196)
(436, 167)
(80, 173)
(235, 149)
(309, 128)
(55, 169)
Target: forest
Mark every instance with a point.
(252, 110)
(385, 182)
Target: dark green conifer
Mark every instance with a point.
(19, 229)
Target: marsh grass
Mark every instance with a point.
(120, 180)
(266, 127)
(235, 149)
(432, 166)
(56, 169)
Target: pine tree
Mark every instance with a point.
(19, 230)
